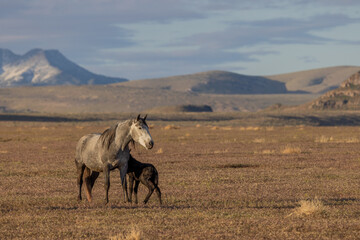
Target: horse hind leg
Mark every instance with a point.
(94, 176)
(88, 183)
(80, 172)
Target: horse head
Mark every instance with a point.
(139, 131)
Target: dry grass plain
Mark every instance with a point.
(219, 181)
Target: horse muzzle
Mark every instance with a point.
(150, 144)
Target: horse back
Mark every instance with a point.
(87, 151)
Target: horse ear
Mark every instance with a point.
(138, 118)
(145, 117)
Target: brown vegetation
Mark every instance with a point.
(309, 207)
(291, 150)
(236, 193)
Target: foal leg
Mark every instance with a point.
(158, 192)
(150, 187)
(131, 187)
(80, 172)
(136, 190)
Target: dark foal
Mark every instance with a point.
(145, 173)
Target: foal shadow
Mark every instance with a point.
(237, 165)
(143, 206)
(67, 208)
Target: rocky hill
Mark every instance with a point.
(346, 97)
(45, 67)
(317, 81)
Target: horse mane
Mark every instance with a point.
(143, 121)
(108, 136)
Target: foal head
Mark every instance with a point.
(139, 131)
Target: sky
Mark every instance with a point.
(138, 39)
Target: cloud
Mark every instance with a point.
(101, 33)
(148, 64)
(272, 31)
(124, 11)
(78, 27)
(329, 2)
(216, 50)
(308, 59)
(201, 56)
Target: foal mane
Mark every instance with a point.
(108, 136)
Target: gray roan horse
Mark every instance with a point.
(104, 152)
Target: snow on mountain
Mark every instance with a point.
(45, 67)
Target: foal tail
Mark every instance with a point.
(156, 180)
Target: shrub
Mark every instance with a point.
(169, 127)
(324, 139)
(134, 234)
(309, 207)
(291, 150)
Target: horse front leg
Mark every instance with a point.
(123, 171)
(107, 182)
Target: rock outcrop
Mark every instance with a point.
(346, 97)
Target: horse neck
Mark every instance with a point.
(123, 136)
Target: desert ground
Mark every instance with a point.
(219, 180)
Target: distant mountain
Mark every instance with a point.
(114, 99)
(316, 81)
(45, 67)
(215, 89)
(213, 82)
(346, 97)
